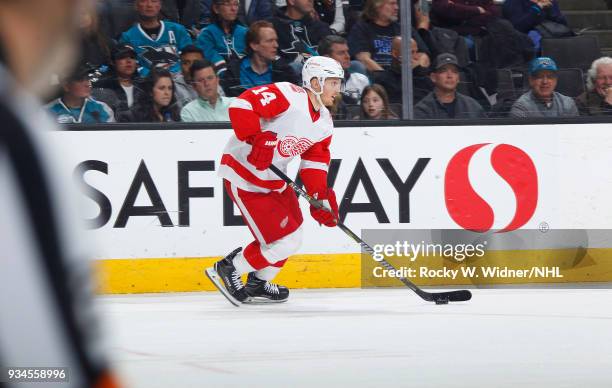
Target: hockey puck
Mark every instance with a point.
(441, 301)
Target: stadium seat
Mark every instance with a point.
(397, 109)
(505, 85)
(465, 85)
(352, 111)
(569, 53)
(571, 82)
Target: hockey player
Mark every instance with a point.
(272, 125)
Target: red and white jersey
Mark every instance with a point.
(285, 109)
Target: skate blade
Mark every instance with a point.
(216, 280)
(259, 300)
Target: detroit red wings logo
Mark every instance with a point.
(292, 146)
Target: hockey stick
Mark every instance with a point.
(438, 297)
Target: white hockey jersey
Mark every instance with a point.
(285, 109)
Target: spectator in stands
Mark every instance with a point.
(391, 79)
(260, 66)
(597, 100)
(466, 17)
(375, 104)
(157, 103)
(157, 42)
(76, 105)
(185, 93)
(330, 12)
(224, 38)
(370, 39)
(336, 47)
(119, 86)
(542, 100)
(210, 105)
(298, 33)
(95, 46)
(116, 16)
(422, 30)
(248, 11)
(527, 15)
(445, 102)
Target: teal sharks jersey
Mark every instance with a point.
(162, 50)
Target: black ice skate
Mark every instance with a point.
(227, 279)
(261, 291)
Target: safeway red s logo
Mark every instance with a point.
(468, 209)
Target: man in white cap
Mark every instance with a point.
(273, 124)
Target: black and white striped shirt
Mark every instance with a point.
(46, 313)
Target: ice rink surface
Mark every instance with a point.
(364, 338)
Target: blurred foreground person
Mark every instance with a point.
(46, 317)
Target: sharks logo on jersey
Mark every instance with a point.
(161, 50)
(231, 49)
(155, 56)
(300, 45)
(219, 46)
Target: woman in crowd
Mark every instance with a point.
(225, 37)
(375, 104)
(157, 103)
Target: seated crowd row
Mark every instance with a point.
(159, 98)
(148, 82)
(218, 27)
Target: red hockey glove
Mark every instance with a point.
(262, 152)
(322, 216)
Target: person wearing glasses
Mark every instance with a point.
(224, 39)
(248, 11)
(210, 105)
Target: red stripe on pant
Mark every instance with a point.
(278, 215)
(252, 254)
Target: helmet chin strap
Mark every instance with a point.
(318, 94)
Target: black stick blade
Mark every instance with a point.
(455, 296)
(445, 297)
